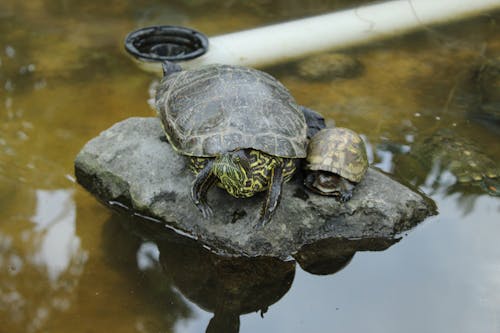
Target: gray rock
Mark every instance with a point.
(131, 167)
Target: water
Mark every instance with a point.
(68, 263)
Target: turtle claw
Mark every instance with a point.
(205, 209)
(201, 185)
(345, 196)
(263, 220)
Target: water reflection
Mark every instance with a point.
(330, 256)
(145, 293)
(224, 286)
(64, 77)
(49, 255)
(55, 220)
(445, 145)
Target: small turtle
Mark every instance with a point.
(336, 162)
(240, 127)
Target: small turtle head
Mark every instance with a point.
(326, 183)
(231, 170)
(329, 184)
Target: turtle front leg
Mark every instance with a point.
(346, 189)
(204, 180)
(273, 196)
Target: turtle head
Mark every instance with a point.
(329, 184)
(326, 183)
(231, 169)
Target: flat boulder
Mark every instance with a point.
(132, 168)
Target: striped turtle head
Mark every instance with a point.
(232, 170)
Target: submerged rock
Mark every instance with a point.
(133, 168)
(448, 159)
(329, 66)
(485, 82)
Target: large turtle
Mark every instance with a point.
(336, 162)
(241, 128)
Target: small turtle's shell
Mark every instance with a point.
(219, 108)
(338, 150)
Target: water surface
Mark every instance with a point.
(68, 263)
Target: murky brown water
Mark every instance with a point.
(67, 263)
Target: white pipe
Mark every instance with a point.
(291, 40)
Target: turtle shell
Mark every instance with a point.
(219, 108)
(338, 150)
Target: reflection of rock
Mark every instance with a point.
(329, 66)
(446, 151)
(240, 280)
(225, 286)
(329, 256)
(231, 286)
(130, 164)
(246, 284)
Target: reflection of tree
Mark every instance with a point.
(41, 263)
(49, 282)
(28, 297)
